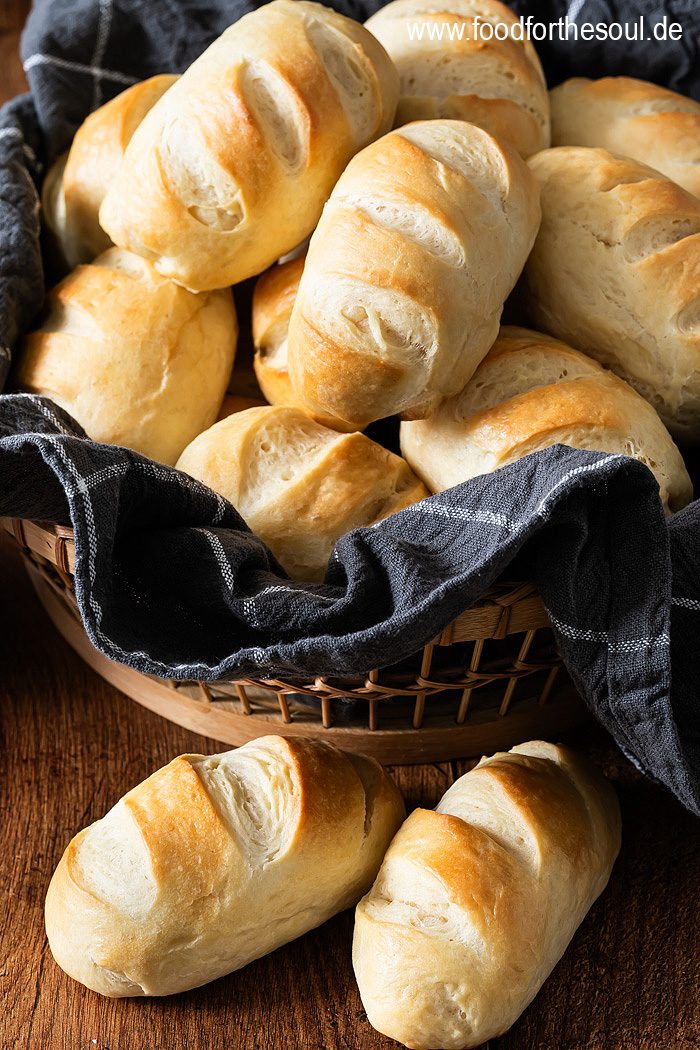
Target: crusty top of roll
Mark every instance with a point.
(448, 69)
(216, 860)
(420, 243)
(530, 392)
(232, 169)
(134, 358)
(476, 902)
(631, 117)
(75, 185)
(615, 271)
(299, 485)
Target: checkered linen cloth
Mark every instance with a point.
(168, 577)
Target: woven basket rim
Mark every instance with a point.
(441, 714)
(507, 607)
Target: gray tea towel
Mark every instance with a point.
(168, 577)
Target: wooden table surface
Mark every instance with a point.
(72, 745)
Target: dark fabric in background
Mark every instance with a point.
(168, 577)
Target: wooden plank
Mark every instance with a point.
(74, 745)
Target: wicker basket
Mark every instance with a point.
(491, 679)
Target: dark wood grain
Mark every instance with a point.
(12, 17)
(71, 746)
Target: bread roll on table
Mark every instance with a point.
(299, 485)
(448, 68)
(421, 241)
(76, 183)
(476, 901)
(632, 117)
(615, 272)
(215, 861)
(232, 168)
(531, 392)
(134, 358)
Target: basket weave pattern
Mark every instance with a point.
(497, 659)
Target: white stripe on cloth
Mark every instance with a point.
(103, 27)
(227, 574)
(486, 517)
(47, 413)
(633, 645)
(145, 466)
(280, 588)
(220, 553)
(77, 67)
(575, 9)
(586, 469)
(489, 517)
(249, 603)
(82, 489)
(83, 486)
(686, 603)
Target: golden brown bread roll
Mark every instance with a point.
(75, 185)
(215, 861)
(476, 902)
(134, 358)
(633, 117)
(448, 69)
(615, 272)
(273, 299)
(420, 243)
(530, 392)
(299, 485)
(232, 168)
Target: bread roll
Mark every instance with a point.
(530, 392)
(273, 299)
(476, 902)
(299, 485)
(632, 117)
(135, 359)
(448, 68)
(215, 861)
(75, 185)
(232, 168)
(615, 271)
(420, 243)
